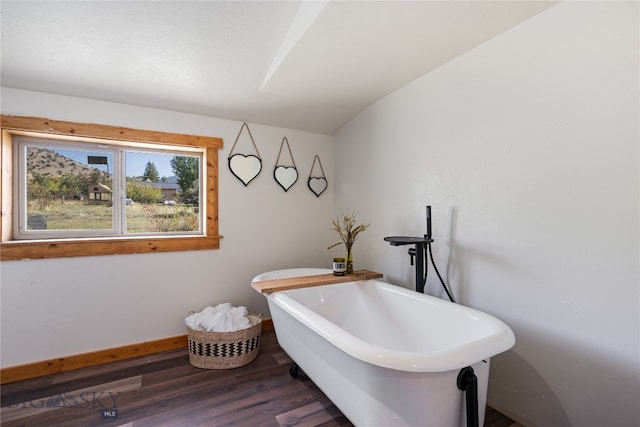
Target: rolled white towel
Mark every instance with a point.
(225, 306)
(240, 319)
(207, 318)
(239, 311)
(221, 318)
(192, 322)
(221, 322)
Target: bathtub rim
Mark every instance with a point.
(500, 340)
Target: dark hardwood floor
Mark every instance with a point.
(165, 390)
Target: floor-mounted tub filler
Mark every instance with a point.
(385, 355)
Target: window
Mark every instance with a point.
(97, 189)
(72, 189)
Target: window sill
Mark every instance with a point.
(42, 249)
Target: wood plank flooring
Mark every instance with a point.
(165, 390)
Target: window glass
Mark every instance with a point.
(87, 190)
(162, 192)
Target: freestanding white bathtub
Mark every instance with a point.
(386, 356)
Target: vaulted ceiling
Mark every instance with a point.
(309, 65)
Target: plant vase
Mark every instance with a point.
(349, 260)
(348, 230)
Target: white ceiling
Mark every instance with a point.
(301, 65)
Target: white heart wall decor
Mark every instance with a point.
(317, 185)
(286, 176)
(245, 168)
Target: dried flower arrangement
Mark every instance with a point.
(348, 231)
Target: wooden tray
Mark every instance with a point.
(268, 286)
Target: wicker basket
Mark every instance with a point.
(225, 350)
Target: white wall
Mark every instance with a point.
(59, 307)
(527, 149)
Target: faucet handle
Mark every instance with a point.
(412, 254)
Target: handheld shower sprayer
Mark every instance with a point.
(428, 235)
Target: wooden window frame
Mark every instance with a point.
(57, 248)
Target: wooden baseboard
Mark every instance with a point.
(69, 363)
(267, 324)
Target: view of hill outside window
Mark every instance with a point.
(77, 190)
(63, 194)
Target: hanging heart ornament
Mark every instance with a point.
(286, 176)
(245, 168)
(317, 185)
